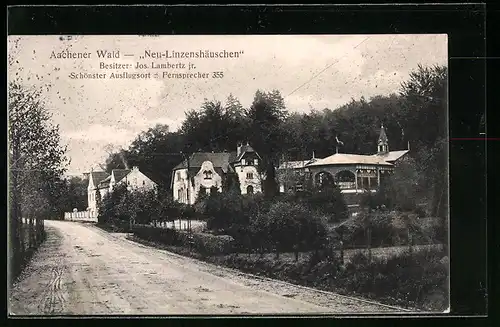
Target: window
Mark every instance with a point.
(208, 174)
(249, 175)
(178, 176)
(243, 162)
(256, 162)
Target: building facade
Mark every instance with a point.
(352, 173)
(206, 172)
(105, 183)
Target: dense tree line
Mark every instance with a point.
(36, 165)
(37, 188)
(417, 114)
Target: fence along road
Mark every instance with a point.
(83, 270)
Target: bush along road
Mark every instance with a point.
(83, 270)
(416, 280)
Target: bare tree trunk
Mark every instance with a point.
(31, 231)
(15, 225)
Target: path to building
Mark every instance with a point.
(83, 270)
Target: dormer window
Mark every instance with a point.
(256, 162)
(208, 174)
(243, 162)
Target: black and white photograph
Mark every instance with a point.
(228, 174)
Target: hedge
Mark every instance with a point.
(209, 244)
(165, 236)
(203, 243)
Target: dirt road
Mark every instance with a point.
(82, 270)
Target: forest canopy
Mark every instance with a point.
(416, 115)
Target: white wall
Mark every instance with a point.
(242, 172)
(200, 181)
(138, 180)
(181, 183)
(103, 191)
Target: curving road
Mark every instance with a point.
(82, 270)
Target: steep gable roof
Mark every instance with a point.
(160, 177)
(245, 149)
(382, 137)
(218, 159)
(98, 176)
(105, 182)
(120, 174)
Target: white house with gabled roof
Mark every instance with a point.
(104, 183)
(205, 172)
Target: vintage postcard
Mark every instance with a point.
(228, 175)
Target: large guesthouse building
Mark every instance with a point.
(206, 171)
(352, 173)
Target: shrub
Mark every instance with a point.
(293, 227)
(389, 229)
(223, 209)
(165, 236)
(203, 243)
(186, 211)
(327, 200)
(208, 244)
(109, 212)
(408, 277)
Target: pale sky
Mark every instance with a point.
(93, 113)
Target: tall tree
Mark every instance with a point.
(155, 151)
(266, 117)
(424, 111)
(215, 126)
(36, 160)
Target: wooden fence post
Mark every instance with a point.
(342, 251)
(410, 241)
(369, 243)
